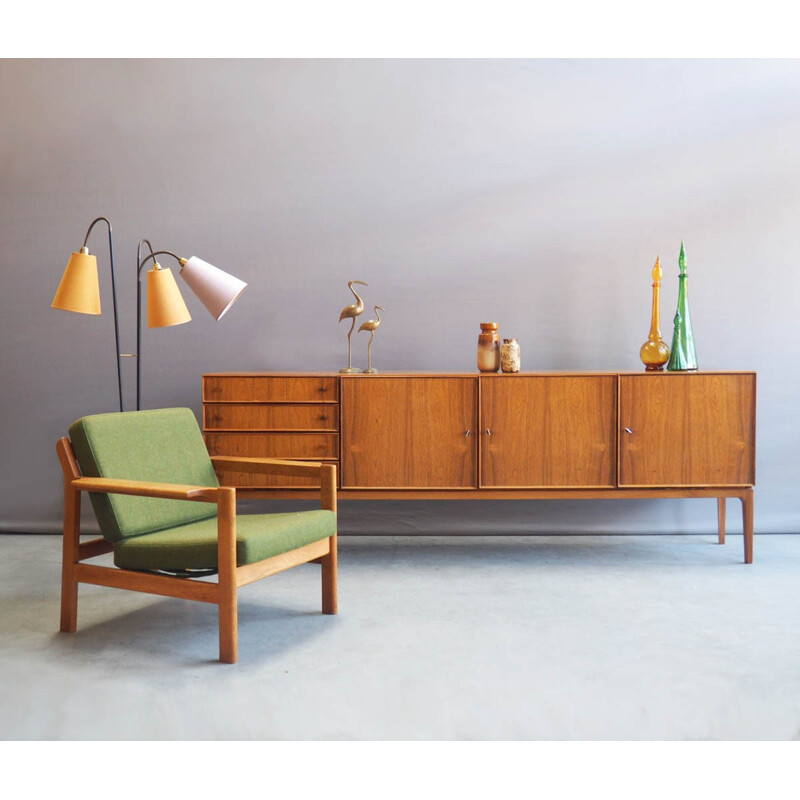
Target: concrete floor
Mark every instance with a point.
(438, 638)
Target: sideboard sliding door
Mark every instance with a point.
(548, 431)
(409, 432)
(687, 429)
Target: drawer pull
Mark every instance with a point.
(628, 430)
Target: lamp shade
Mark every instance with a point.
(165, 305)
(216, 290)
(79, 289)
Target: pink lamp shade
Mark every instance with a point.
(216, 290)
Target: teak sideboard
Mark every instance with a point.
(495, 436)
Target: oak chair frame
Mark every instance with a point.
(223, 592)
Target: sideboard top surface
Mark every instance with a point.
(501, 375)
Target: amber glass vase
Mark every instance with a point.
(654, 352)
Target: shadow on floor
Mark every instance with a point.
(591, 551)
(183, 633)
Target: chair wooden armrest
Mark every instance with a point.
(170, 491)
(273, 466)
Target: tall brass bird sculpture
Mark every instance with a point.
(351, 312)
(371, 325)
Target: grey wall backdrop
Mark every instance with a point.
(533, 193)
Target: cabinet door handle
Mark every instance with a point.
(628, 430)
(467, 433)
(488, 432)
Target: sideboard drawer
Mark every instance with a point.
(268, 389)
(273, 417)
(254, 480)
(274, 445)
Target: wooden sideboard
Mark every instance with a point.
(495, 436)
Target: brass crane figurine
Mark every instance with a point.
(352, 311)
(371, 325)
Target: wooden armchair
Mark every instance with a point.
(140, 469)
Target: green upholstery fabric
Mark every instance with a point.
(165, 445)
(194, 546)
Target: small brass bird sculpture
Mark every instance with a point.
(351, 312)
(371, 325)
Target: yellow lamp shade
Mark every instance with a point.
(79, 289)
(165, 305)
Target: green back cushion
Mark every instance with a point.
(162, 445)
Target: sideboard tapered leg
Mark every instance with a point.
(747, 525)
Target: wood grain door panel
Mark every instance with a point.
(408, 432)
(687, 430)
(548, 431)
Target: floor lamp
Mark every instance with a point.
(216, 290)
(79, 291)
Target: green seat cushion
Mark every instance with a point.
(163, 445)
(194, 546)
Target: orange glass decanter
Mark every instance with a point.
(655, 352)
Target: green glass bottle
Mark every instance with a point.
(682, 354)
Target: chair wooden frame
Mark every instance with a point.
(230, 577)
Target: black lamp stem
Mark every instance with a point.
(141, 262)
(114, 297)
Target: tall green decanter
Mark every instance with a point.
(682, 355)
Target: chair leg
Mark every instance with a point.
(70, 555)
(721, 519)
(228, 630)
(226, 563)
(69, 603)
(330, 590)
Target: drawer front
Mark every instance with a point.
(277, 417)
(268, 389)
(251, 480)
(274, 445)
